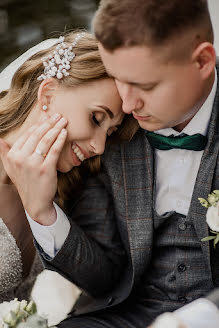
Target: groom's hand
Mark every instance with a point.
(201, 313)
(168, 320)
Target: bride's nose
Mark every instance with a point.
(97, 143)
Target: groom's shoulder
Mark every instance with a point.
(132, 145)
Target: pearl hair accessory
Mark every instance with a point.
(58, 63)
(45, 107)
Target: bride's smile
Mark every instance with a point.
(93, 112)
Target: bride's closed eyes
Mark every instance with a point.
(98, 118)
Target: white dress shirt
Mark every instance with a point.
(177, 169)
(52, 237)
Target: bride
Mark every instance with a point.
(55, 115)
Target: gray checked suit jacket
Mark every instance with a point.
(109, 246)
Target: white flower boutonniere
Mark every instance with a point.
(212, 216)
(16, 314)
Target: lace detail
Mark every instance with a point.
(10, 260)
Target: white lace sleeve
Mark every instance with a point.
(10, 260)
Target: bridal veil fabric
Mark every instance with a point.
(7, 74)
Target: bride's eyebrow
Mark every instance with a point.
(107, 110)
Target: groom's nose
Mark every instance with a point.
(130, 99)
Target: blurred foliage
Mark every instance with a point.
(23, 23)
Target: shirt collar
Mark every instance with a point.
(199, 123)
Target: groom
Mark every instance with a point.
(162, 57)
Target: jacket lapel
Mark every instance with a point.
(204, 181)
(137, 164)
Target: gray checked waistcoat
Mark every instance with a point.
(178, 271)
(164, 256)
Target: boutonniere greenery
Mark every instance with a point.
(212, 215)
(21, 314)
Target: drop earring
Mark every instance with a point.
(45, 107)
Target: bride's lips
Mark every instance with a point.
(141, 118)
(79, 154)
(86, 155)
(76, 160)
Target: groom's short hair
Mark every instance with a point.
(120, 23)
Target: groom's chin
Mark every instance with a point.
(149, 126)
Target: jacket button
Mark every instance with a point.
(182, 299)
(182, 226)
(181, 268)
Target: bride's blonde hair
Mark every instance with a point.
(17, 102)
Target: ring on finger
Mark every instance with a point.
(40, 152)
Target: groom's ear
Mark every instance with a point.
(46, 92)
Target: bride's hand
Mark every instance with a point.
(31, 165)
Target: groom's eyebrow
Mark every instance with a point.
(149, 84)
(107, 110)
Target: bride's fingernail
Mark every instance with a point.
(63, 131)
(56, 116)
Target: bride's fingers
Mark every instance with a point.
(49, 138)
(4, 149)
(52, 156)
(23, 138)
(31, 143)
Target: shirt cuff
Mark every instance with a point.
(51, 238)
(201, 313)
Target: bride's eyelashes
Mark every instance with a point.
(98, 117)
(95, 120)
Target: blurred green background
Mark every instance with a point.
(23, 23)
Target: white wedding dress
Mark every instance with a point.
(12, 285)
(19, 261)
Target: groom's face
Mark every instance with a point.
(158, 93)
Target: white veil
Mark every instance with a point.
(7, 74)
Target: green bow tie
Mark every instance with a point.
(195, 142)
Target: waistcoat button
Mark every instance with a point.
(181, 268)
(182, 226)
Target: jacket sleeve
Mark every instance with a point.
(92, 256)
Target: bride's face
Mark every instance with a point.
(93, 111)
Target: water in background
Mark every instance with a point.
(23, 23)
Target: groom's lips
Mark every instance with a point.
(141, 118)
